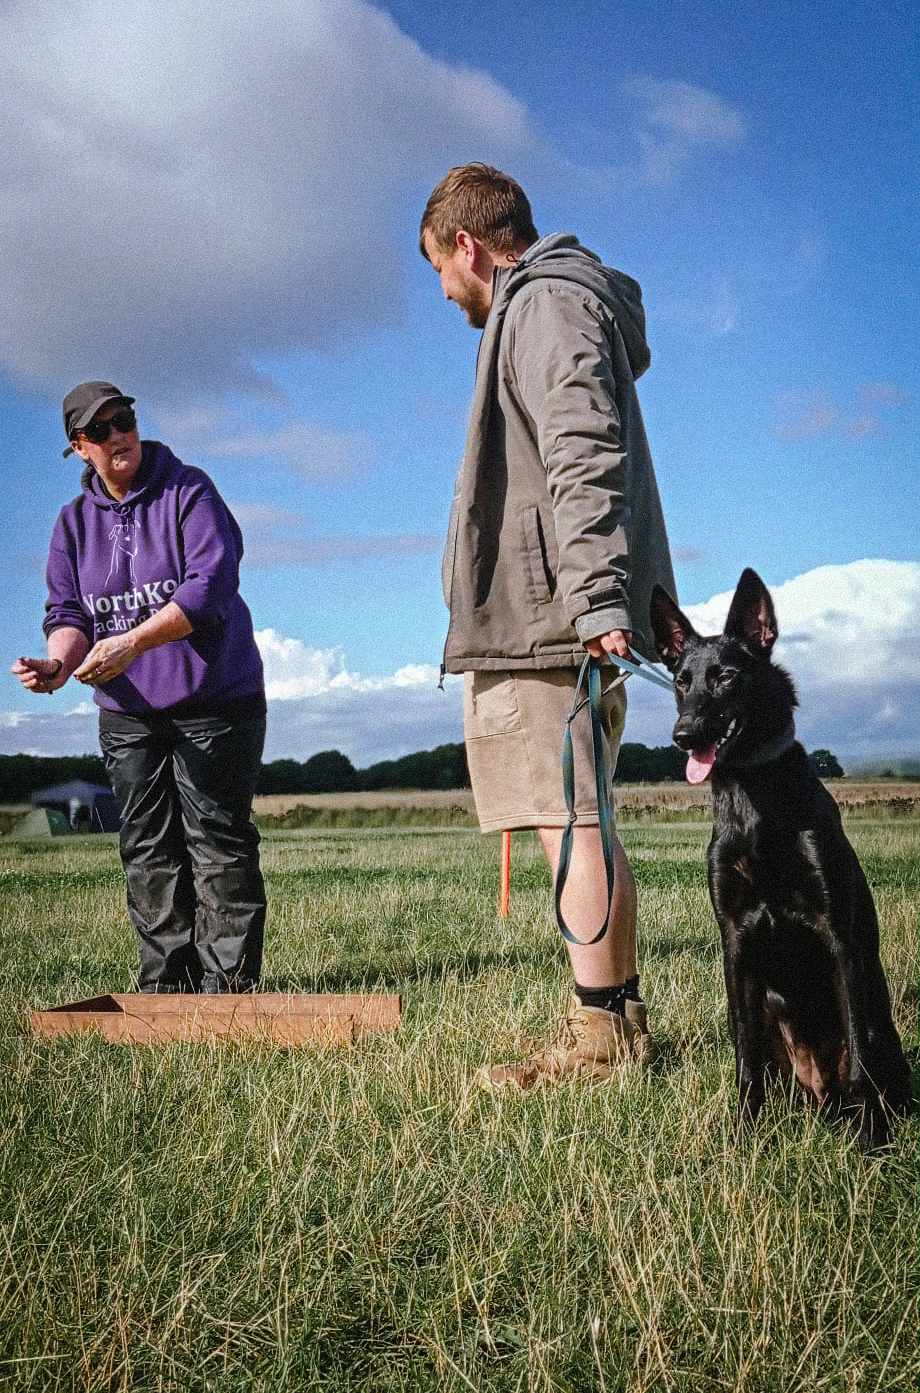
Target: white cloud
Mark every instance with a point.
(854, 623)
(848, 635)
(190, 187)
(863, 425)
(191, 423)
(317, 703)
(881, 394)
(293, 669)
(308, 448)
(368, 725)
(278, 537)
(48, 731)
(806, 415)
(709, 301)
(724, 308)
(232, 189)
(674, 121)
(312, 451)
(265, 518)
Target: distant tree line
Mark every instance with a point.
(637, 764)
(332, 772)
(21, 775)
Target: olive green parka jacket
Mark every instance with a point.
(556, 533)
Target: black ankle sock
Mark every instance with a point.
(610, 998)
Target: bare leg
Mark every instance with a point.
(613, 960)
(591, 1043)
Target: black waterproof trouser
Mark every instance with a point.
(188, 845)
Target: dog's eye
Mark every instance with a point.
(727, 676)
(682, 682)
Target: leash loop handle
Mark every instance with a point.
(590, 670)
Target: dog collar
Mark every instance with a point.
(768, 752)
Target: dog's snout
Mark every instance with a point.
(683, 733)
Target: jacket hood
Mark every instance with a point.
(156, 461)
(562, 257)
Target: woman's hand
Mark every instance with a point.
(110, 656)
(40, 674)
(106, 659)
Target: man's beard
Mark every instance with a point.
(477, 311)
(475, 304)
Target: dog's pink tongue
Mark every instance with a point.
(699, 765)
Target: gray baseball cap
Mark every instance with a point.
(81, 404)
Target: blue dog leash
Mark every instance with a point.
(591, 669)
(644, 669)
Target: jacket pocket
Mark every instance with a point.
(542, 581)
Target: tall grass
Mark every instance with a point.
(242, 1218)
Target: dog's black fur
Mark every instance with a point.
(806, 991)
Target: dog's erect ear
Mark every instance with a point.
(670, 627)
(752, 617)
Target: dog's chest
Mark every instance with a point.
(764, 871)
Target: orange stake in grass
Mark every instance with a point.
(504, 900)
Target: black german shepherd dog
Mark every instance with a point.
(806, 991)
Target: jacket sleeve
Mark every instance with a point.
(563, 366)
(64, 608)
(212, 546)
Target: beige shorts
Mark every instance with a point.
(513, 724)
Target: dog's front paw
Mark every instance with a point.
(750, 1102)
(870, 1121)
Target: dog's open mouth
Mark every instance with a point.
(700, 762)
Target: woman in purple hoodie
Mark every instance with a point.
(144, 606)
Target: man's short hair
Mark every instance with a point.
(483, 201)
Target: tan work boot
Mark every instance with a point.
(643, 1046)
(590, 1044)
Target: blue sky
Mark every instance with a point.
(219, 211)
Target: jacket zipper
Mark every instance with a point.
(453, 560)
(443, 670)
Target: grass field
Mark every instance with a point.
(239, 1218)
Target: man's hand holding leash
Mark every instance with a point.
(617, 641)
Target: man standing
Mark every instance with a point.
(555, 542)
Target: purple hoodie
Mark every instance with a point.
(112, 565)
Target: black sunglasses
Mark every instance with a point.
(98, 432)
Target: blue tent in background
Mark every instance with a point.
(87, 807)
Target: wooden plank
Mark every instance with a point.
(285, 1018)
(123, 1028)
(379, 1010)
